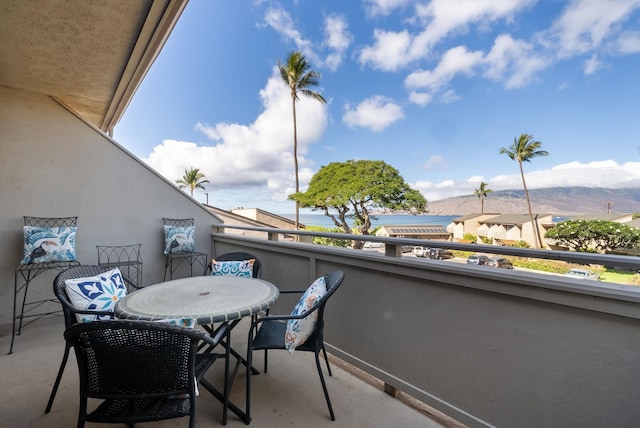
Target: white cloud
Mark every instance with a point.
(592, 65)
(586, 24)
(435, 162)
(628, 42)
(456, 61)
(375, 113)
(513, 61)
(278, 19)
(437, 20)
(389, 52)
(444, 17)
(607, 174)
(420, 98)
(337, 39)
(383, 7)
(257, 156)
(449, 96)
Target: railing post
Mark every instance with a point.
(392, 250)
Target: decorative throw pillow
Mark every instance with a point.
(299, 330)
(49, 244)
(179, 239)
(182, 322)
(242, 268)
(96, 293)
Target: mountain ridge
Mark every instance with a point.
(552, 200)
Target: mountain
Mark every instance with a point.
(554, 200)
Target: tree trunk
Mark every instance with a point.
(295, 162)
(537, 242)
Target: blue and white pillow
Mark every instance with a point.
(242, 268)
(96, 293)
(182, 322)
(49, 244)
(299, 330)
(179, 239)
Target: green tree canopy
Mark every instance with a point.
(193, 179)
(482, 192)
(354, 189)
(594, 235)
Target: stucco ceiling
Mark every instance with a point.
(91, 55)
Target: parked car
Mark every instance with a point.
(499, 262)
(582, 274)
(440, 254)
(477, 259)
(369, 244)
(420, 251)
(407, 248)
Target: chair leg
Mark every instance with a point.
(247, 411)
(265, 360)
(326, 360)
(56, 384)
(324, 386)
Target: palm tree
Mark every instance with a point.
(299, 77)
(482, 193)
(193, 179)
(523, 149)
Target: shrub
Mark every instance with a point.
(470, 237)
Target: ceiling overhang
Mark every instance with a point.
(90, 55)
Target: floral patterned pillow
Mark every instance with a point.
(49, 244)
(179, 239)
(96, 293)
(299, 330)
(243, 268)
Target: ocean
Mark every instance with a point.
(378, 220)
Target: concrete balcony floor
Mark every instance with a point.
(290, 393)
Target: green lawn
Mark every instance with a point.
(609, 275)
(620, 277)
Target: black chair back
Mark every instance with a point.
(143, 371)
(239, 256)
(60, 292)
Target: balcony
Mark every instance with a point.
(288, 395)
(474, 346)
(487, 347)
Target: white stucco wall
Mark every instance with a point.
(52, 164)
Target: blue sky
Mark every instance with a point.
(434, 88)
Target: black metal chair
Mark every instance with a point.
(142, 371)
(126, 258)
(268, 332)
(257, 273)
(69, 311)
(26, 273)
(239, 256)
(173, 260)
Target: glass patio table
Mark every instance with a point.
(201, 300)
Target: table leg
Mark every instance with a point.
(230, 379)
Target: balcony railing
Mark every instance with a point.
(487, 347)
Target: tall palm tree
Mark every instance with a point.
(482, 193)
(193, 179)
(523, 149)
(296, 73)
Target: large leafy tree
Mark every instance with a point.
(193, 179)
(594, 235)
(296, 73)
(354, 189)
(482, 192)
(523, 149)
